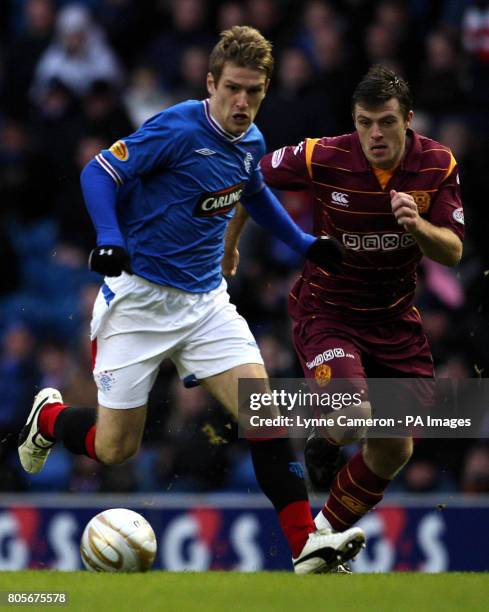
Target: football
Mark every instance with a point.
(118, 540)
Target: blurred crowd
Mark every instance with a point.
(76, 76)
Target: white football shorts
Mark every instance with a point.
(136, 324)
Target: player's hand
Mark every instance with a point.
(405, 210)
(230, 262)
(109, 260)
(327, 253)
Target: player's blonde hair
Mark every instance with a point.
(243, 46)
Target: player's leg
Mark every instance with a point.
(110, 433)
(104, 434)
(272, 458)
(281, 478)
(360, 485)
(118, 433)
(326, 357)
(387, 456)
(218, 351)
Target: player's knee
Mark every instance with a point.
(350, 424)
(116, 454)
(403, 451)
(390, 454)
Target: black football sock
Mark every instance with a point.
(75, 427)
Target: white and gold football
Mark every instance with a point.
(118, 540)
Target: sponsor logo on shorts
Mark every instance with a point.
(323, 374)
(327, 356)
(218, 202)
(277, 157)
(119, 150)
(339, 198)
(422, 200)
(354, 505)
(458, 215)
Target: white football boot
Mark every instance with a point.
(33, 447)
(325, 551)
(322, 523)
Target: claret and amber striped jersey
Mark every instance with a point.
(352, 203)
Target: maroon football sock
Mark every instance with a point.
(355, 491)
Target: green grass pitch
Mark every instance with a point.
(280, 591)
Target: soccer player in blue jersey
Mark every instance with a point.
(160, 201)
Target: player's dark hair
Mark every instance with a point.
(379, 85)
(243, 46)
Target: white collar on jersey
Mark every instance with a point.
(217, 127)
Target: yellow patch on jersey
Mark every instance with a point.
(423, 201)
(119, 150)
(323, 374)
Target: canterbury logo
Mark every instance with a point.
(353, 505)
(339, 198)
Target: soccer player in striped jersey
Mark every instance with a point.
(390, 196)
(160, 201)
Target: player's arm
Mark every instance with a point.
(440, 240)
(137, 155)
(109, 257)
(230, 259)
(265, 208)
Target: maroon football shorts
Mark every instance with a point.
(343, 356)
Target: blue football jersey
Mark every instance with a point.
(180, 176)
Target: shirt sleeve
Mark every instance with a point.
(446, 209)
(289, 167)
(152, 146)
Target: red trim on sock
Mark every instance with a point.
(90, 442)
(94, 352)
(47, 417)
(297, 523)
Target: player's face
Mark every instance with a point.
(236, 97)
(382, 133)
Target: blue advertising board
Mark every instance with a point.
(241, 533)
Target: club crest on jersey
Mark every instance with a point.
(323, 374)
(218, 202)
(423, 201)
(119, 150)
